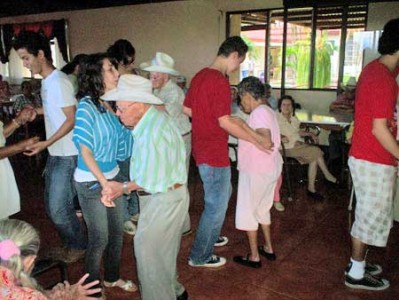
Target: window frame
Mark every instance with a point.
(344, 33)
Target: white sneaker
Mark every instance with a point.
(135, 218)
(279, 206)
(129, 228)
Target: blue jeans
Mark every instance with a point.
(58, 196)
(105, 231)
(131, 201)
(217, 189)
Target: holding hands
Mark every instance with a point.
(111, 190)
(28, 114)
(77, 291)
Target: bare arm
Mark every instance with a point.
(266, 133)
(91, 163)
(26, 115)
(238, 128)
(384, 136)
(39, 110)
(17, 148)
(65, 128)
(187, 111)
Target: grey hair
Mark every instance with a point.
(253, 86)
(27, 240)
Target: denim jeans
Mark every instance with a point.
(131, 201)
(58, 196)
(105, 231)
(217, 189)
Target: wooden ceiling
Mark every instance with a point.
(10, 8)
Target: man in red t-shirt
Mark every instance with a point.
(372, 159)
(208, 103)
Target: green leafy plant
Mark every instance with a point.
(298, 59)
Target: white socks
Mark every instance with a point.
(357, 269)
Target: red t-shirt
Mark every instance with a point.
(376, 95)
(209, 99)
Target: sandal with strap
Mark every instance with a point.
(126, 285)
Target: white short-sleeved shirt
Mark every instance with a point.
(57, 92)
(173, 97)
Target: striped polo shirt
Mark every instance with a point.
(159, 154)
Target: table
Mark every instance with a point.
(335, 121)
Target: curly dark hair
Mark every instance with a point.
(121, 51)
(287, 97)
(69, 68)
(253, 86)
(33, 42)
(90, 77)
(388, 43)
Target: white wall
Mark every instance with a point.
(380, 13)
(190, 31)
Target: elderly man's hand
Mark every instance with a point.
(111, 191)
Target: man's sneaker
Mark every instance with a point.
(368, 282)
(222, 240)
(279, 206)
(129, 228)
(135, 218)
(372, 269)
(213, 262)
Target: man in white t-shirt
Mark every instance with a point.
(59, 106)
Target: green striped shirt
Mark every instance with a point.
(159, 154)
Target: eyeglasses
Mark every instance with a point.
(124, 108)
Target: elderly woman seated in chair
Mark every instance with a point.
(295, 147)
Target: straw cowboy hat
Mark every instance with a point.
(132, 88)
(161, 63)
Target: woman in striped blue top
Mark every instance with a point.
(100, 139)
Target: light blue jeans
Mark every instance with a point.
(58, 196)
(217, 189)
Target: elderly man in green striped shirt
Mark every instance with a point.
(158, 174)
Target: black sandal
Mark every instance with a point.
(245, 261)
(269, 256)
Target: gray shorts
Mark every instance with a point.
(374, 184)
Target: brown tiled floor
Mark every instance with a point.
(310, 239)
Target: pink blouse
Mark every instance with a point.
(11, 290)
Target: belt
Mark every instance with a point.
(187, 133)
(144, 193)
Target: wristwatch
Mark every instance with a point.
(125, 188)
